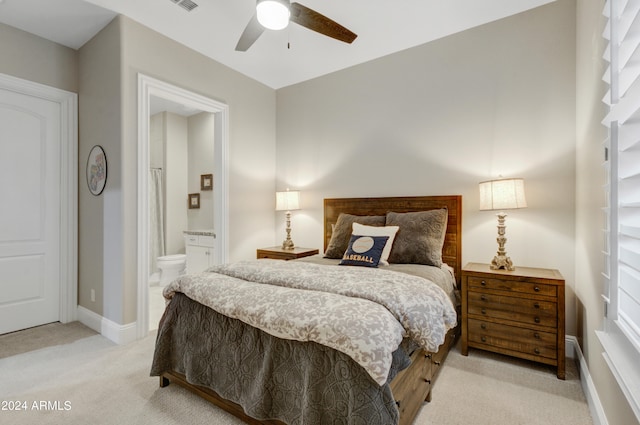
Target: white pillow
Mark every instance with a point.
(390, 231)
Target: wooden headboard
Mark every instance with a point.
(452, 249)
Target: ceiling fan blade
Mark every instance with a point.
(317, 22)
(250, 34)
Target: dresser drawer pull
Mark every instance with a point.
(437, 363)
(483, 326)
(537, 351)
(536, 305)
(427, 356)
(483, 339)
(537, 289)
(483, 283)
(483, 297)
(428, 381)
(536, 319)
(536, 335)
(483, 311)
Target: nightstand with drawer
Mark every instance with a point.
(518, 313)
(278, 253)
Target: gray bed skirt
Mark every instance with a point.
(271, 378)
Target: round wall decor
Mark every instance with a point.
(96, 170)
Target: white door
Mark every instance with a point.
(30, 190)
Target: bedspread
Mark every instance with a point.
(298, 383)
(361, 312)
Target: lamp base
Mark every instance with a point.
(288, 244)
(501, 262)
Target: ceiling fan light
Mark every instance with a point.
(273, 14)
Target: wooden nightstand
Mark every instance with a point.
(278, 253)
(518, 313)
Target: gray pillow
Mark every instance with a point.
(341, 233)
(420, 238)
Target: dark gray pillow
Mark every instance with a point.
(420, 238)
(342, 232)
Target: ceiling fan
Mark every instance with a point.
(276, 14)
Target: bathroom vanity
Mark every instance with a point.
(199, 249)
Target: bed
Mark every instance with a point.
(267, 375)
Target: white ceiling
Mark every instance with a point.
(213, 29)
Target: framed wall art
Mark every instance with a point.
(96, 170)
(206, 182)
(194, 201)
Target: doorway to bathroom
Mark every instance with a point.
(182, 183)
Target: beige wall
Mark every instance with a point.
(176, 181)
(201, 135)
(100, 253)
(46, 62)
(495, 100)
(110, 64)
(590, 110)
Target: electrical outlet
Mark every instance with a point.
(93, 295)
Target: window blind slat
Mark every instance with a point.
(607, 53)
(630, 283)
(630, 230)
(623, 5)
(629, 190)
(629, 134)
(630, 312)
(627, 106)
(631, 328)
(630, 299)
(628, 233)
(607, 101)
(630, 257)
(626, 24)
(627, 47)
(629, 165)
(629, 74)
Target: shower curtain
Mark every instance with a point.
(156, 219)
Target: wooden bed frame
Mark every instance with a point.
(413, 385)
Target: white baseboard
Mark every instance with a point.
(569, 349)
(588, 387)
(120, 334)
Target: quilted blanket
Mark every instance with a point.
(298, 383)
(364, 313)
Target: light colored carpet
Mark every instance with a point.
(489, 389)
(41, 337)
(90, 380)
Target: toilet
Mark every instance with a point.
(171, 267)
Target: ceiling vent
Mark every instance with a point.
(188, 5)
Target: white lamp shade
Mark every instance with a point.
(288, 201)
(273, 14)
(503, 194)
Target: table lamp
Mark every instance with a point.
(288, 201)
(500, 195)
